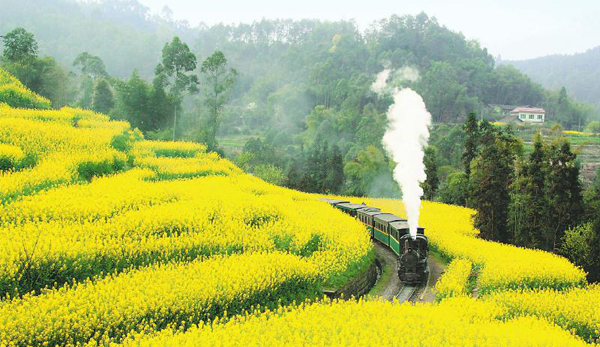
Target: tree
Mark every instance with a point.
(335, 174)
(594, 271)
(431, 184)
(103, 100)
(174, 70)
(489, 186)
(90, 65)
(20, 46)
(535, 220)
(218, 81)
(454, 189)
(564, 192)
(133, 101)
(580, 245)
(471, 128)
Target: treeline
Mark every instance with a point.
(295, 82)
(151, 107)
(534, 200)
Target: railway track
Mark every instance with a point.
(408, 293)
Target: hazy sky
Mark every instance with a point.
(516, 29)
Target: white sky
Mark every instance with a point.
(516, 29)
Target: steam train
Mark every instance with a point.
(393, 232)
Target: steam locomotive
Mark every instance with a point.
(393, 232)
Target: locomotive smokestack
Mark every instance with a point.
(404, 140)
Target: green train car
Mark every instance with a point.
(393, 232)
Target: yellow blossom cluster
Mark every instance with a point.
(14, 93)
(454, 281)
(10, 157)
(55, 149)
(180, 160)
(175, 294)
(575, 310)
(454, 322)
(580, 133)
(168, 149)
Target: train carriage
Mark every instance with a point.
(334, 202)
(366, 216)
(351, 208)
(382, 228)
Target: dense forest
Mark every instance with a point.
(297, 91)
(579, 73)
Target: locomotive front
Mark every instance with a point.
(412, 267)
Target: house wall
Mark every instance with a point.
(532, 117)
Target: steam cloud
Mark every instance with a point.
(381, 81)
(404, 140)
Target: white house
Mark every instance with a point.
(529, 114)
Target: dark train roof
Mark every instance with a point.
(370, 209)
(388, 217)
(399, 225)
(370, 212)
(403, 225)
(334, 201)
(352, 206)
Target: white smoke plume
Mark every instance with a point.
(404, 140)
(407, 73)
(380, 82)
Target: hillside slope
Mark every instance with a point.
(578, 73)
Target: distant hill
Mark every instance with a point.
(578, 73)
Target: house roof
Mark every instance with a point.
(528, 110)
(503, 107)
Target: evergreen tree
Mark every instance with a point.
(594, 271)
(564, 193)
(103, 100)
(431, 184)
(335, 174)
(160, 106)
(489, 186)
(534, 198)
(471, 128)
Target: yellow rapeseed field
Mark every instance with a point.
(454, 322)
(175, 294)
(454, 281)
(575, 310)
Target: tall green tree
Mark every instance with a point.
(535, 208)
(20, 46)
(431, 184)
(175, 69)
(335, 174)
(489, 186)
(91, 68)
(594, 271)
(133, 101)
(103, 100)
(471, 129)
(218, 81)
(90, 65)
(564, 193)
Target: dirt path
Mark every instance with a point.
(390, 284)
